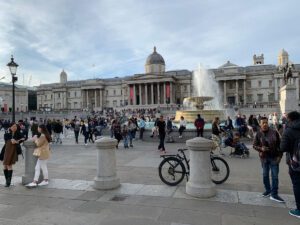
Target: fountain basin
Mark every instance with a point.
(207, 115)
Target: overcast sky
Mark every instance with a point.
(109, 38)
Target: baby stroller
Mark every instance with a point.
(239, 149)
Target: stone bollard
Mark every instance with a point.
(106, 169)
(200, 184)
(30, 162)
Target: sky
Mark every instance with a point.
(113, 38)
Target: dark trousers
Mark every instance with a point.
(295, 177)
(142, 133)
(76, 133)
(181, 129)
(162, 141)
(200, 132)
(267, 165)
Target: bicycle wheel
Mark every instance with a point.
(220, 170)
(171, 171)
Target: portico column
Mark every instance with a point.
(140, 95)
(87, 98)
(123, 96)
(146, 94)
(276, 90)
(297, 88)
(165, 96)
(237, 92)
(224, 84)
(96, 103)
(171, 93)
(158, 94)
(101, 99)
(134, 95)
(245, 100)
(152, 94)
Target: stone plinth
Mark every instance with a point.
(288, 98)
(30, 162)
(200, 184)
(106, 168)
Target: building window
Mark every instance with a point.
(271, 97)
(259, 97)
(114, 92)
(185, 87)
(106, 92)
(115, 103)
(58, 95)
(259, 83)
(231, 84)
(270, 83)
(240, 82)
(69, 94)
(248, 84)
(75, 94)
(121, 92)
(249, 98)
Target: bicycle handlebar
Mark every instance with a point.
(182, 149)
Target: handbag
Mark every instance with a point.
(37, 152)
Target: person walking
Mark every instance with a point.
(43, 153)
(9, 155)
(199, 124)
(290, 144)
(76, 130)
(182, 126)
(125, 135)
(116, 127)
(85, 131)
(161, 126)
(131, 131)
(142, 127)
(267, 143)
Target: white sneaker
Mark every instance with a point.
(43, 183)
(32, 184)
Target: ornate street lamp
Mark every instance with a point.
(13, 70)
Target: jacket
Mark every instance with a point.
(43, 146)
(268, 139)
(289, 136)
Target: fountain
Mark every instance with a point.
(205, 87)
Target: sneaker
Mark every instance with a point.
(43, 183)
(277, 198)
(266, 194)
(295, 212)
(32, 184)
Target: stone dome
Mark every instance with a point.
(63, 77)
(283, 52)
(155, 58)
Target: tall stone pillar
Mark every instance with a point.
(171, 93)
(276, 89)
(146, 94)
(134, 95)
(140, 95)
(237, 92)
(225, 97)
(101, 99)
(152, 94)
(158, 93)
(96, 103)
(245, 97)
(123, 96)
(165, 96)
(87, 99)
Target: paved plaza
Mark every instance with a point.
(142, 198)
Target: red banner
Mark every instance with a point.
(131, 92)
(5, 107)
(167, 90)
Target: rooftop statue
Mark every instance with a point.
(287, 72)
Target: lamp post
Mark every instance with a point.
(13, 70)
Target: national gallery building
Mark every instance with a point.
(254, 86)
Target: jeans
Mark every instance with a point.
(181, 129)
(295, 177)
(142, 129)
(76, 133)
(200, 132)
(161, 141)
(267, 165)
(131, 136)
(125, 140)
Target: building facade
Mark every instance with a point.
(253, 86)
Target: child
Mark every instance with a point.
(125, 136)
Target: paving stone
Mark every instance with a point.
(157, 190)
(90, 195)
(128, 189)
(254, 198)
(92, 207)
(131, 221)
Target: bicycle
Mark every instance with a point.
(173, 168)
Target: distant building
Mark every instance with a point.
(256, 85)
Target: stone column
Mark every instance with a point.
(140, 95)
(171, 93)
(96, 103)
(245, 100)
(276, 90)
(237, 92)
(146, 94)
(225, 98)
(106, 168)
(158, 94)
(134, 95)
(87, 98)
(152, 94)
(297, 87)
(101, 99)
(123, 96)
(200, 184)
(30, 162)
(165, 96)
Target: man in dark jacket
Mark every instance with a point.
(289, 138)
(267, 143)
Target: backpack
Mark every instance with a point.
(199, 123)
(295, 157)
